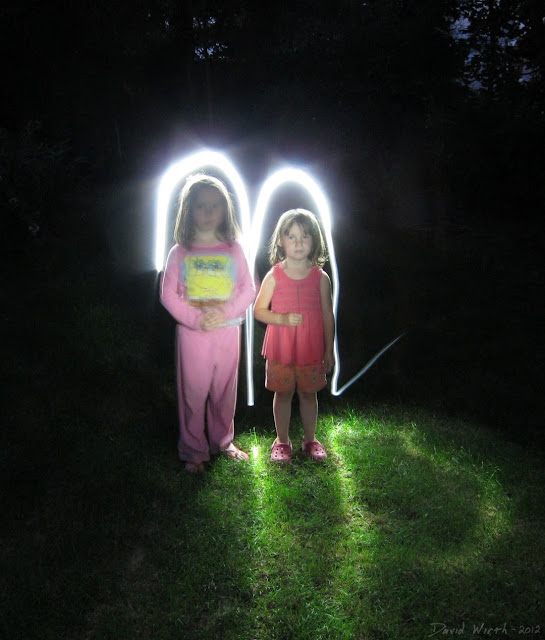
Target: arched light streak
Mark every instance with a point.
(251, 237)
(169, 181)
(275, 181)
(278, 179)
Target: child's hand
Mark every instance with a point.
(293, 319)
(213, 319)
(329, 361)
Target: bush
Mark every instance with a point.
(35, 177)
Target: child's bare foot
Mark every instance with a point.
(233, 451)
(194, 467)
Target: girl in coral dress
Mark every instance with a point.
(295, 303)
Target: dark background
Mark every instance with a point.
(424, 122)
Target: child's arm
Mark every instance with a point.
(173, 301)
(329, 321)
(261, 307)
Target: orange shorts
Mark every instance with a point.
(287, 377)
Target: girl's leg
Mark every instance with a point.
(308, 408)
(194, 378)
(282, 414)
(223, 389)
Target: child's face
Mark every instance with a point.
(296, 242)
(208, 211)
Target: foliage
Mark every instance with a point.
(35, 177)
(504, 47)
(446, 86)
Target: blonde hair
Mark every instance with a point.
(184, 230)
(308, 222)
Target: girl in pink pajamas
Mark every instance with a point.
(207, 288)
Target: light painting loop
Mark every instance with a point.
(169, 182)
(281, 178)
(251, 237)
(172, 178)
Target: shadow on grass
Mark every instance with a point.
(88, 416)
(443, 540)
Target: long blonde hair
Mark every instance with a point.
(184, 230)
(308, 222)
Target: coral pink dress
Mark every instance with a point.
(304, 344)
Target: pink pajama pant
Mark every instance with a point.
(207, 374)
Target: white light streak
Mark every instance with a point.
(364, 370)
(282, 177)
(171, 180)
(251, 237)
(275, 181)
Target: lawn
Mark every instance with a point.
(419, 524)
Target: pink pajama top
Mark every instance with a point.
(203, 276)
(304, 344)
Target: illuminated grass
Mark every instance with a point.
(410, 521)
(414, 518)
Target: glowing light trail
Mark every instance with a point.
(281, 178)
(170, 180)
(251, 240)
(366, 367)
(298, 176)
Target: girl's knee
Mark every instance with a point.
(283, 396)
(307, 396)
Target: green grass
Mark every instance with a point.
(415, 519)
(412, 520)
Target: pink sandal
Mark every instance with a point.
(281, 452)
(314, 450)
